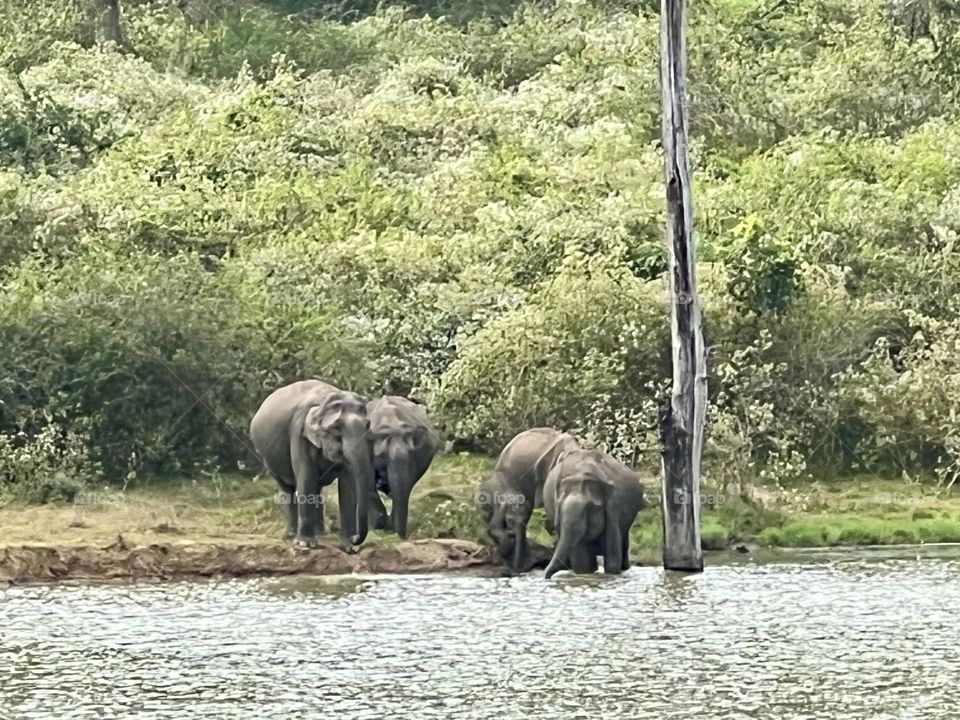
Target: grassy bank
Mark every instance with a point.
(226, 509)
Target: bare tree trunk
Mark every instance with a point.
(111, 22)
(682, 419)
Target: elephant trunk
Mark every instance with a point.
(561, 556)
(360, 470)
(571, 527)
(497, 527)
(400, 480)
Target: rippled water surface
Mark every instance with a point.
(829, 636)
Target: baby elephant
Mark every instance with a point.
(591, 500)
(404, 443)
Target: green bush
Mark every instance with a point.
(165, 361)
(581, 353)
(45, 460)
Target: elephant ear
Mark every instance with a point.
(320, 421)
(600, 488)
(424, 438)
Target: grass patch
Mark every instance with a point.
(824, 530)
(220, 507)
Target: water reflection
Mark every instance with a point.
(836, 636)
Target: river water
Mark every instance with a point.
(817, 635)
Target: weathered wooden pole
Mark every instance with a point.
(682, 418)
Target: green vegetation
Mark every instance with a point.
(464, 200)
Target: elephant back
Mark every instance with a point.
(527, 459)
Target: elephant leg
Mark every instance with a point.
(293, 518)
(612, 545)
(521, 547)
(519, 561)
(321, 514)
(307, 489)
(286, 497)
(347, 497)
(583, 559)
(626, 549)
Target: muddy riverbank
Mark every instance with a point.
(127, 560)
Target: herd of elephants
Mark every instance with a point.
(310, 433)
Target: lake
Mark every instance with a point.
(833, 635)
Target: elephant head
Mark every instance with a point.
(404, 444)
(496, 514)
(505, 513)
(582, 516)
(338, 428)
(399, 454)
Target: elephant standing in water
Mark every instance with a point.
(507, 498)
(309, 434)
(404, 443)
(591, 501)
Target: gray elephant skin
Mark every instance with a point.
(404, 443)
(308, 434)
(509, 495)
(591, 501)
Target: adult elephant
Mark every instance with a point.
(509, 495)
(308, 434)
(591, 501)
(404, 443)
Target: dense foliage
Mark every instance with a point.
(464, 200)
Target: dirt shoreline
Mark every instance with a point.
(166, 561)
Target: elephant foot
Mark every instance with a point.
(349, 546)
(306, 543)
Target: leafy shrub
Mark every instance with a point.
(592, 333)
(909, 400)
(165, 364)
(49, 462)
(61, 115)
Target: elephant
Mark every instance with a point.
(404, 444)
(509, 495)
(591, 501)
(308, 434)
